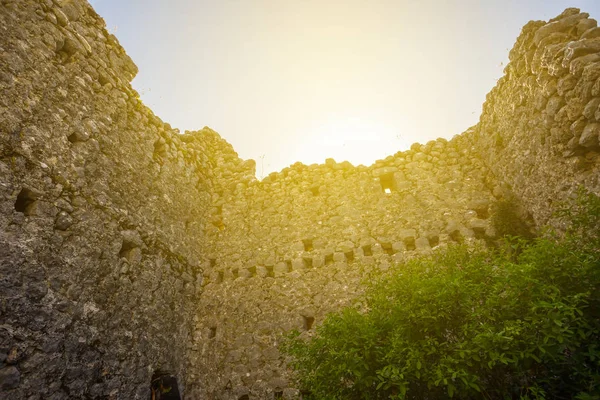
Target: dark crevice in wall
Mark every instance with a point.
(212, 333)
(308, 322)
(126, 249)
(164, 386)
(270, 272)
(410, 243)
(308, 244)
(367, 250)
(456, 236)
(308, 262)
(434, 240)
(25, 201)
(349, 255)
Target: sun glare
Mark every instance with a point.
(354, 139)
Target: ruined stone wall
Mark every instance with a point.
(296, 246)
(103, 213)
(540, 125)
(128, 248)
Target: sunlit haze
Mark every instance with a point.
(286, 81)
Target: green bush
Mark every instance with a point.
(469, 324)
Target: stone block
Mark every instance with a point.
(10, 378)
(338, 256)
(422, 243)
(590, 136)
(280, 269)
(298, 264)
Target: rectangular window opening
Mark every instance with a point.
(212, 333)
(328, 259)
(367, 251)
(307, 262)
(270, 272)
(349, 256)
(308, 244)
(387, 183)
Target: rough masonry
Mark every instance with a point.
(129, 250)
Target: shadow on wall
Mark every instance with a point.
(164, 386)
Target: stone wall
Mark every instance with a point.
(103, 212)
(296, 246)
(540, 125)
(127, 248)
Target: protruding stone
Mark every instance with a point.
(422, 243)
(398, 247)
(591, 33)
(590, 108)
(589, 137)
(9, 378)
(63, 221)
(280, 269)
(557, 26)
(478, 225)
(60, 17)
(579, 49)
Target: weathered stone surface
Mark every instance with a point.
(591, 135)
(9, 378)
(128, 248)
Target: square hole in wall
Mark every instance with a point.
(329, 259)
(308, 322)
(25, 201)
(270, 272)
(212, 333)
(367, 251)
(387, 183)
(308, 244)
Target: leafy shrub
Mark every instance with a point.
(470, 324)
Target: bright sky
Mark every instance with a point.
(304, 80)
